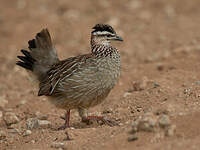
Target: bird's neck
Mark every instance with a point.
(101, 47)
(102, 50)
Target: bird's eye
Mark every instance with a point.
(108, 35)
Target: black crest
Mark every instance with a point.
(103, 27)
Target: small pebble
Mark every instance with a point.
(23, 102)
(44, 124)
(33, 141)
(10, 118)
(148, 123)
(126, 94)
(27, 132)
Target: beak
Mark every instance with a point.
(117, 38)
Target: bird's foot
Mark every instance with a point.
(100, 119)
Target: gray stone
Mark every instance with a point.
(32, 123)
(148, 123)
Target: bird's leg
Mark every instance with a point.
(66, 118)
(87, 118)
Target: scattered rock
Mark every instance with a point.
(27, 133)
(32, 123)
(2, 135)
(58, 145)
(44, 123)
(150, 122)
(10, 118)
(147, 123)
(132, 137)
(170, 130)
(164, 121)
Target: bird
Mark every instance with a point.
(78, 82)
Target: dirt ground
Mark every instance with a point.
(160, 52)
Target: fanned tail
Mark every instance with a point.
(41, 55)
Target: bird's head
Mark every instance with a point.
(103, 34)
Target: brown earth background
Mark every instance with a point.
(161, 46)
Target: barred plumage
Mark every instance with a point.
(78, 82)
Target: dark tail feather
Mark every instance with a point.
(26, 61)
(41, 55)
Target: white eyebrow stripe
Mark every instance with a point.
(102, 33)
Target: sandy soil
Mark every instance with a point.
(161, 48)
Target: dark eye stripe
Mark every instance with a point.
(108, 35)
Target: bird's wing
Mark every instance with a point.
(62, 70)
